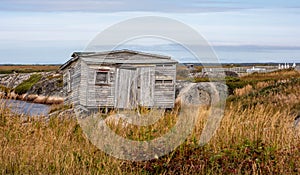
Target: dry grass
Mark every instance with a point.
(277, 75)
(5, 69)
(243, 91)
(256, 136)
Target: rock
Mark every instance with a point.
(63, 114)
(47, 90)
(31, 97)
(40, 99)
(179, 86)
(204, 93)
(49, 85)
(54, 100)
(12, 95)
(231, 74)
(13, 80)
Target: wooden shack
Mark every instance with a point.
(121, 79)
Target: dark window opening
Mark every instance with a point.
(163, 82)
(102, 77)
(158, 81)
(168, 81)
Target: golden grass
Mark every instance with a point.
(243, 91)
(27, 68)
(59, 146)
(256, 136)
(277, 75)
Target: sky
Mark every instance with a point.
(48, 32)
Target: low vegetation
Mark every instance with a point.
(256, 136)
(8, 69)
(254, 79)
(25, 86)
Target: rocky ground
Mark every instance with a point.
(47, 89)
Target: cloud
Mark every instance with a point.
(176, 6)
(256, 48)
(226, 53)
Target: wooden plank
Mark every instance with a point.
(125, 89)
(146, 89)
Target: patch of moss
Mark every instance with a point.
(60, 83)
(6, 71)
(27, 84)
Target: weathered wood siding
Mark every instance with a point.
(146, 81)
(126, 88)
(165, 93)
(72, 75)
(99, 95)
(83, 91)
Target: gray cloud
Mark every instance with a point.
(255, 48)
(176, 6)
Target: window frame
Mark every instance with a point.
(163, 82)
(164, 65)
(107, 72)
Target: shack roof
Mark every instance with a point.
(119, 57)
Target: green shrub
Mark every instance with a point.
(234, 83)
(27, 84)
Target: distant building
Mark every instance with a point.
(286, 66)
(122, 79)
(255, 69)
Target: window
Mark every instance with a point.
(102, 77)
(164, 65)
(168, 81)
(161, 82)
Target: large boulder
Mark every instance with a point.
(51, 84)
(204, 93)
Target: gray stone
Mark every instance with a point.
(204, 93)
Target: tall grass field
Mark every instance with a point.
(257, 135)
